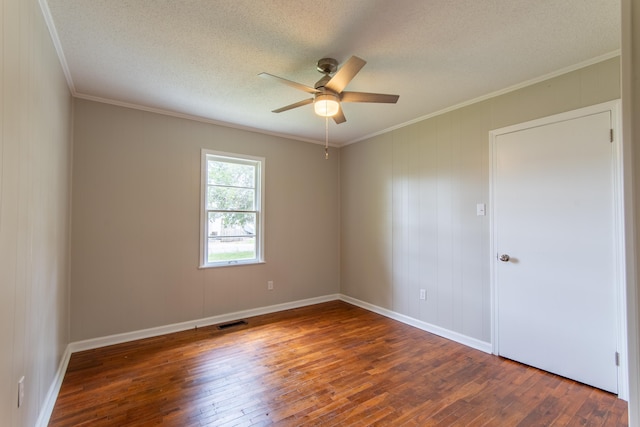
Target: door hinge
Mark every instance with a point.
(617, 359)
(610, 135)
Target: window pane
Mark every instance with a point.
(232, 174)
(239, 249)
(231, 236)
(228, 198)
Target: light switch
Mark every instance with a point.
(481, 209)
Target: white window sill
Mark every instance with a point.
(230, 264)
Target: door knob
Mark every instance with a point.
(504, 258)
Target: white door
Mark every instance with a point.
(554, 221)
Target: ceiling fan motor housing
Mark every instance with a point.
(327, 65)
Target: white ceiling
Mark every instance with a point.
(202, 58)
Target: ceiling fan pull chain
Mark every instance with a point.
(326, 138)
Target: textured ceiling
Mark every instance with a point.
(202, 58)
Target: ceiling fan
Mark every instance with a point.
(328, 91)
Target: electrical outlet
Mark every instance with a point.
(423, 294)
(270, 285)
(20, 391)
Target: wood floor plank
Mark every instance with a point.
(330, 364)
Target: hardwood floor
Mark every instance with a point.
(330, 364)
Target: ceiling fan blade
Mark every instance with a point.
(339, 117)
(292, 106)
(368, 97)
(293, 84)
(344, 75)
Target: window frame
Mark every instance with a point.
(259, 165)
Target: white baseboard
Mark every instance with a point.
(437, 330)
(54, 389)
(177, 327)
(52, 395)
(208, 321)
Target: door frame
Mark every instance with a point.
(619, 247)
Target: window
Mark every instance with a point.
(231, 215)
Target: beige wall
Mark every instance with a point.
(136, 187)
(409, 200)
(35, 147)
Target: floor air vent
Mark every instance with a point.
(232, 324)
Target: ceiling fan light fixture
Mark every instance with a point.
(326, 104)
